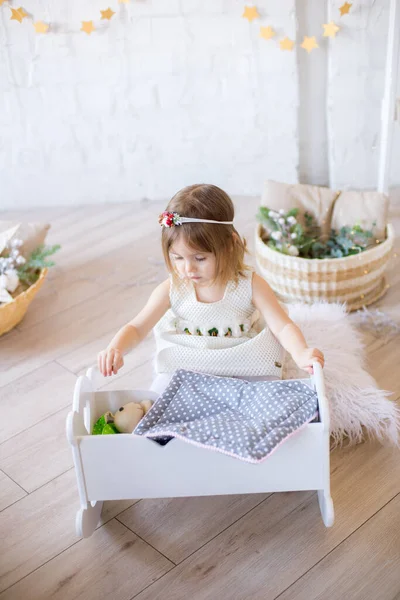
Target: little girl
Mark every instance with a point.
(213, 314)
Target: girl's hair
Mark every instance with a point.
(202, 201)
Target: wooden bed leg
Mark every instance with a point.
(326, 506)
(87, 519)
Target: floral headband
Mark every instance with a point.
(171, 219)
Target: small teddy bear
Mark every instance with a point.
(124, 420)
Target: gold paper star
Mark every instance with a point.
(309, 43)
(87, 27)
(18, 14)
(107, 14)
(330, 29)
(286, 44)
(41, 27)
(250, 13)
(344, 10)
(267, 32)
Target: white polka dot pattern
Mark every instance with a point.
(245, 419)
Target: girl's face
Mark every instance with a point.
(197, 266)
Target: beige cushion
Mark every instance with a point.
(363, 208)
(32, 234)
(313, 199)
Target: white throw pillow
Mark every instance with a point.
(32, 234)
(364, 208)
(313, 199)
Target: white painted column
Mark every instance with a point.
(312, 78)
(388, 102)
(355, 84)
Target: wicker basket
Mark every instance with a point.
(357, 280)
(13, 312)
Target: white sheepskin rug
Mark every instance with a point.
(357, 405)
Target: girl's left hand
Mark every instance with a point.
(307, 357)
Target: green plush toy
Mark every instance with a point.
(104, 425)
(124, 420)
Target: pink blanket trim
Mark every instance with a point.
(207, 447)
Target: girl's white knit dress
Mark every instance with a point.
(225, 338)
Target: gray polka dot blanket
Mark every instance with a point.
(247, 420)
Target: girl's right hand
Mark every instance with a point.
(110, 361)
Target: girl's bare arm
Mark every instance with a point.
(130, 335)
(287, 332)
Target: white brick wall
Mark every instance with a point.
(173, 92)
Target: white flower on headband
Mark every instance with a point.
(169, 219)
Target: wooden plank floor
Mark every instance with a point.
(262, 546)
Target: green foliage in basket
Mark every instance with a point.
(29, 272)
(283, 233)
(17, 273)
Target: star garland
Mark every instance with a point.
(19, 14)
(250, 13)
(309, 42)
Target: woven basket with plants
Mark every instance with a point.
(302, 265)
(20, 279)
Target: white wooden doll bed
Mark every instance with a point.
(123, 466)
